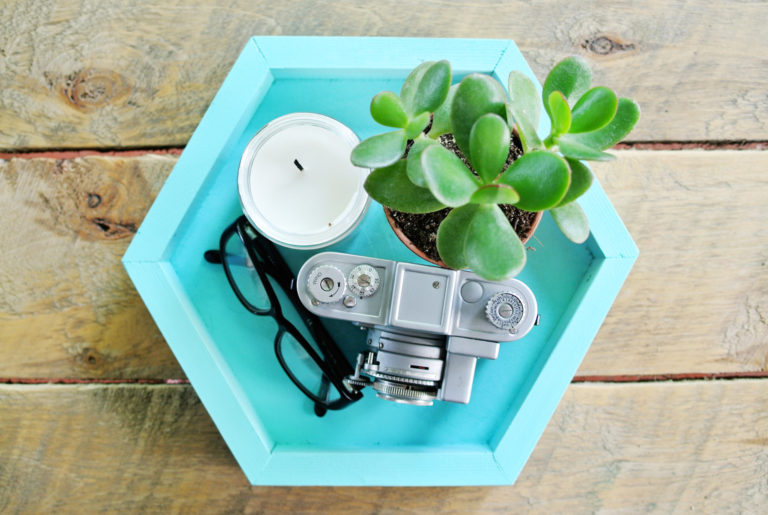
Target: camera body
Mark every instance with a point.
(426, 325)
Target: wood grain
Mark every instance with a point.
(140, 74)
(663, 447)
(696, 301)
(67, 307)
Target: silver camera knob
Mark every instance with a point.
(363, 281)
(326, 283)
(504, 310)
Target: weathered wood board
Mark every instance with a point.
(137, 74)
(141, 74)
(696, 301)
(697, 298)
(663, 447)
(67, 306)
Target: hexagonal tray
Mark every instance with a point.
(228, 354)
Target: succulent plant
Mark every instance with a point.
(478, 112)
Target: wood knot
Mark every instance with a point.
(90, 89)
(112, 229)
(90, 357)
(94, 200)
(606, 45)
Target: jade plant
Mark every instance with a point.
(481, 116)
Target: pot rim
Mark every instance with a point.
(413, 248)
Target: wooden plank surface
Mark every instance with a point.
(140, 74)
(696, 301)
(697, 298)
(663, 447)
(137, 74)
(67, 307)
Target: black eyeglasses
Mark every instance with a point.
(312, 366)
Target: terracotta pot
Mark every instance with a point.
(408, 243)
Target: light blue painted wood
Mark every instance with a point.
(459, 466)
(227, 353)
(202, 363)
(577, 329)
(608, 231)
(229, 113)
(305, 56)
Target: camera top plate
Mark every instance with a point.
(418, 298)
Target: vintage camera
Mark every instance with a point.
(426, 325)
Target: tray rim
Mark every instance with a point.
(147, 262)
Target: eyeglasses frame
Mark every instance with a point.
(267, 261)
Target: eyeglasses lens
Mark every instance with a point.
(244, 274)
(304, 369)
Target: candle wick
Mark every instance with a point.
(298, 165)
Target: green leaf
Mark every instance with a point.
(489, 146)
(448, 178)
(387, 109)
(495, 194)
(571, 77)
(380, 150)
(540, 177)
(493, 249)
(413, 161)
(527, 132)
(408, 90)
(559, 112)
(524, 96)
(627, 114)
(432, 88)
(391, 187)
(441, 121)
(594, 110)
(476, 95)
(417, 126)
(452, 236)
(572, 221)
(572, 147)
(581, 180)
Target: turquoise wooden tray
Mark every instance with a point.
(227, 353)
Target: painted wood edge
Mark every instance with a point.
(377, 55)
(219, 129)
(195, 351)
(513, 60)
(272, 464)
(609, 236)
(572, 338)
(180, 295)
(419, 466)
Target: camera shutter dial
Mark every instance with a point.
(504, 310)
(326, 283)
(363, 280)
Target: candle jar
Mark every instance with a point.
(297, 185)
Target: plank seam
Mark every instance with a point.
(85, 152)
(49, 380)
(59, 153)
(694, 145)
(628, 378)
(678, 377)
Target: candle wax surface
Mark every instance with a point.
(310, 200)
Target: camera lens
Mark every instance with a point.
(404, 393)
(405, 368)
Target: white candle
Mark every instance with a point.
(297, 185)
